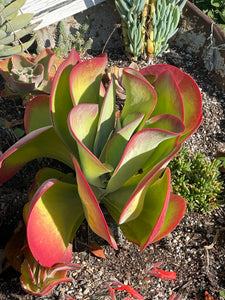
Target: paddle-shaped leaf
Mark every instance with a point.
(174, 214)
(83, 133)
(37, 113)
(147, 225)
(92, 209)
(137, 154)
(61, 101)
(35, 144)
(119, 142)
(106, 119)
(55, 213)
(85, 80)
(141, 97)
(189, 91)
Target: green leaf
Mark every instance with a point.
(92, 210)
(60, 109)
(144, 229)
(19, 34)
(169, 100)
(186, 87)
(85, 80)
(119, 141)
(37, 113)
(137, 154)
(166, 122)
(217, 3)
(13, 7)
(81, 124)
(34, 145)
(17, 23)
(45, 58)
(8, 51)
(140, 95)
(40, 281)
(106, 119)
(174, 214)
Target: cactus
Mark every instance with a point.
(64, 42)
(13, 27)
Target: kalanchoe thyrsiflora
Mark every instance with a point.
(27, 74)
(120, 159)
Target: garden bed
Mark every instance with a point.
(195, 249)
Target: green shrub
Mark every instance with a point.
(215, 9)
(197, 179)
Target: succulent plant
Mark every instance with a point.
(40, 280)
(13, 27)
(197, 179)
(165, 19)
(24, 75)
(65, 42)
(118, 159)
(132, 26)
(147, 25)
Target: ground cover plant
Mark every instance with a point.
(197, 179)
(119, 158)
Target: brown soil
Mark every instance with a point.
(195, 249)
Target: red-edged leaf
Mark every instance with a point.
(140, 95)
(61, 101)
(90, 164)
(46, 58)
(92, 209)
(40, 281)
(55, 213)
(146, 226)
(34, 145)
(137, 153)
(119, 141)
(189, 90)
(37, 113)
(82, 122)
(175, 212)
(169, 98)
(97, 250)
(85, 80)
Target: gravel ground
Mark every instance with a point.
(195, 249)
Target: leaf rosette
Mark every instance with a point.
(24, 74)
(119, 160)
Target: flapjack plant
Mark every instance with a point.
(118, 159)
(27, 74)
